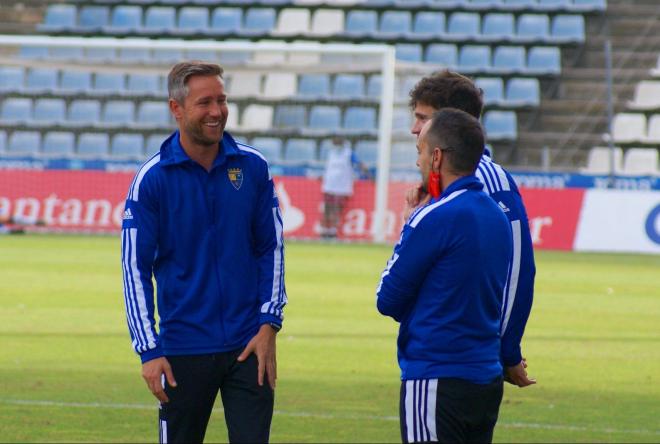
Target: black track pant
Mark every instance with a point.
(449, 410)
(248, 407)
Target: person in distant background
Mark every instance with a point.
(450, 89)
(16, 224)
(337, 185)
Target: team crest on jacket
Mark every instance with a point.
(235, 177)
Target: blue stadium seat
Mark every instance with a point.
(166, 56)
(544, 60)
(348, 85)
(109, 82)
(125, 18)
(474, 58)
(360, 118)
(74, 53)
(118, 112)
(401, 115)
(403, 156)
(314, 85)
(202, 54)
(507, 59)
(100, 55)
(493, 88)
(553, 5)
(93, 145)
(289, 116)
(16, 110)
(33, 52)
(375, 86)
(59, 143)
(144, 84)
(193, 20)
(93, 18)
(589, 5)
(59, 17)
(259, 20)
(42, 79)
(367, 151)
(429, 23)
(324, 148)
(76, 81)
(523, 92)
(442, 54)
(159, 19)
(485, 4)
(49, 111)
(533, 27)
(24, 142)
(501, 125)
(3, 141)
(154, 114)
(226, 20)
(134, 55)
(464, 24)
(153, 143)
(270, 147)
(12, 78)
(300, 150)
(568, 28)
(84, 112)
(498, 25)
(395, 22)
(360, 22)
(408, 52)
(520, 4)
(127, 145)
(322, 117)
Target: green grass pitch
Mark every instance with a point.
(67, 372)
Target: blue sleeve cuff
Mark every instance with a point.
(512, 359)
(151, 354)
(266, 318)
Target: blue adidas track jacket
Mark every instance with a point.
(444, 284)
(213, 242)
(519, 291)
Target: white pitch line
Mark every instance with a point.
(511, 425)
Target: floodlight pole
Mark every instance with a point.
(610, 105)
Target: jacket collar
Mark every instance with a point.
(470, 182)
(172, 153)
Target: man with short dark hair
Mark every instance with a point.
(450, 89)
(203, 218)
(444, 284)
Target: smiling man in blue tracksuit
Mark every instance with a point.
(444, 284)
(202, 217)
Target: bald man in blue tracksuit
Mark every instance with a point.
(444, 284)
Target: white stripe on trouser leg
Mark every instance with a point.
(430, 409)
(163, 432)
(410, 410)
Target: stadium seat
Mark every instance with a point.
(16, 110)
(314, 85)
(348, 86)
(290, 116)
(144, 84)
(403, 156)
(367, 151)
(544, 60)
(270, 147)
(589, 5)
(323, 117)
(257, 117)
(326, 22)
(474, 58)
(59, 143)
(75, 81)
(430, 24)
(159, 19)
(533, 27)
(523, 92)
(293, 21)
(280, 85)
(92, 18)
(360, 22)
(519, 4)
(259, 20)
(568, 28)
(647, 95)
(599, 160)
(653, 136)
(501, 125)
(42, 79)
(509, 59)
(554, 5)
(153, 143)
(360, 118)
(164, 56)
(59, 17)
(493, 88)
(33, 52)
(628, 127)
(401, 120)
(49, 111)
(127, 145)
(226, 20)
(84, 112)
(375, 86)
(125, 19)
(3, 141)
(155, 114)
(24, 143)
(93, 145)
(498, 26)
(442, 54)
(641, 162)
(408, 52)
(109, 82)
(66, 53)
(201, 54)
(12, 78)
(464, 24)
(300, 150)
(192, 20)
(232, 118)
(245, 84)
(485, 4)
(100, 55)
(118, 112)
(395, 23)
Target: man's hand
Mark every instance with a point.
(152, 372)
(517, 375)
(415, 198)
(263, 345)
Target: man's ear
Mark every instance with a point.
(436, 159)
(175, 109)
